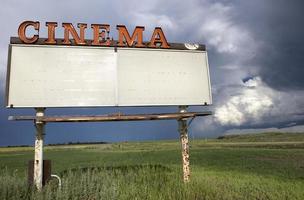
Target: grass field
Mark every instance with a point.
(260, 166)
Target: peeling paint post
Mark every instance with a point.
(183, 130)
(38, 162)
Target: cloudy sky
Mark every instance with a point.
(256, 61)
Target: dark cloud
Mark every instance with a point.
(277, 32)
(278, 26)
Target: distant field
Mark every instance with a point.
(265, 137)
(259, 166)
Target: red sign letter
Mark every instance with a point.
(69, 28)
(22, 30)
(51, 32)
(159, 37)
(124, 36)
(100, 38)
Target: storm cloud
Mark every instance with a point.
(278, 26)
(255, 53)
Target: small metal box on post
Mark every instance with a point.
(46, 173)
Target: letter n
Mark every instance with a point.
(69, 28)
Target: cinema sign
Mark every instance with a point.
(99, 71)
(101, 35)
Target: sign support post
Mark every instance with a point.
(38, 161)
(183, 130)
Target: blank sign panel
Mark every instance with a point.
(82, 76)
(62, 76)
(158, 77)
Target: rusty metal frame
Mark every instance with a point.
(111, 117)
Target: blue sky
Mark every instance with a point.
(255, 55)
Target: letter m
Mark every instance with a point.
(124, 37)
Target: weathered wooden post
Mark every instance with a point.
(182, 127)
(38, 162)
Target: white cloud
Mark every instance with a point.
(254, 104)
(253, 82)
(251, 104)
(152, 20)
(230, 67)
(222, 33)
(198, 20)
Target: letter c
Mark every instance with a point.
(22, 32)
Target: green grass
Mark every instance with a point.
(265, 137)
(220, 169)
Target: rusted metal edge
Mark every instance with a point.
(113, 117)
(41, 41)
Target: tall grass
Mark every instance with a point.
(152, 170)
(149, 182)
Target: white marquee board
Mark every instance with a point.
(78, 76)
